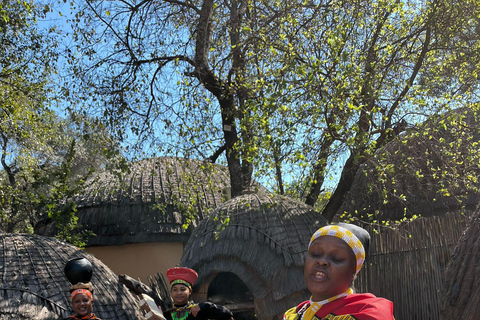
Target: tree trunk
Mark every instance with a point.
(343, 187)
(225, 98)
(13, 183)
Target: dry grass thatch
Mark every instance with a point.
(33, 285)
(26, 311)
(413, 175)
(407, 265)
(166, 180)
(151, 202)
(260, 238)
(460, 295)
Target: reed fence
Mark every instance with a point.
(407, 263)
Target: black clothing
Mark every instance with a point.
(208, 310)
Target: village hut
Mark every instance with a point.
(249, 254)
(460, 296)
(33, 285)
(408, 260)
(410, 177)
(142, 218)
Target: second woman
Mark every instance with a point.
(181, 281)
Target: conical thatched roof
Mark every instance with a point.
(33, 284)
(461, 292)
(262, 240)
(410, 175)
(150, 202)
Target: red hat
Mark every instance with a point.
(185, 276)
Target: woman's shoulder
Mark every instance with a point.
(366, 298)
(368, 304)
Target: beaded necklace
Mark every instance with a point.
(181, 313)
(314, 306)
(179, 316)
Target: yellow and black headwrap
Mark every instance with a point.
(354, 236)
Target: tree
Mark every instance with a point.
(44, 158)
(45, 161)
(296, 89)
(22, 82)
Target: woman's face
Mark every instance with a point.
(329, 267)
(82, 305)
(180, 294)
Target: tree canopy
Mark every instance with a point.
(45, 158)
(298, 92)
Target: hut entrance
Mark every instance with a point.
(228, 290)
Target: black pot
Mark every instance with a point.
(78, 270)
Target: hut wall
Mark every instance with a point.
(33, 283)
(139, 260)
(407, 265)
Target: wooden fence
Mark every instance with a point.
(407, 265)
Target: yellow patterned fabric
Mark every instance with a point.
(312, 307)
(316, 305)
(291, 314)
(346, 235)
(353, 306)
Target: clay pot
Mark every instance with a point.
(78, 270)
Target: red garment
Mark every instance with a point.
(360, 306)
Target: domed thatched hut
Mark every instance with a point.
(138, 217)
(409, 177)
(251, 251)
(413, 176)
(33, 285)
(461, 291)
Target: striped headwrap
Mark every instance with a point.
(346, 235)
(180, 281)
(79, 291)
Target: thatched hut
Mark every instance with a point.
(139, 217)
(408, 260)
(33, 285)
(250, 252)
(460, 295)
(423, 173)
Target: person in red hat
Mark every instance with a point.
(181, 281)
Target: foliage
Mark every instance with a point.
(302, 92)
(23, 117)
(431, 169)
(44, 158)
(45, 161)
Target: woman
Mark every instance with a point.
(82, 301)
(181, 282)
(335, 256)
